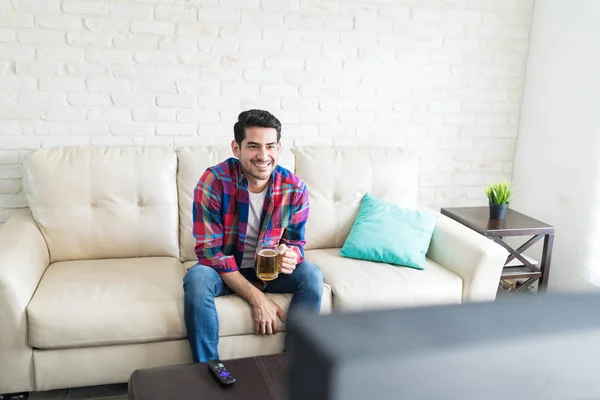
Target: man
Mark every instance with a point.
(238, 203)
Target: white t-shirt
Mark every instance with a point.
(257, 201)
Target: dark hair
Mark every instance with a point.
(251, 118)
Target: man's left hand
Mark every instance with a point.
(289, 258)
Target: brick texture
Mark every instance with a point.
(442, 78)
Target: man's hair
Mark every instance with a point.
(250, 118)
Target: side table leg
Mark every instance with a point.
(546, 259)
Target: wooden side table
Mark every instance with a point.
(517, 266)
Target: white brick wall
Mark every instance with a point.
(442, 78)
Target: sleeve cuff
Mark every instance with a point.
(296, 250)
(226, 265)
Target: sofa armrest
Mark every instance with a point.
(473, 257)
(23, 259)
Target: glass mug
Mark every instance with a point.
(268, 261)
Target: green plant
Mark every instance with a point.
(500, 192)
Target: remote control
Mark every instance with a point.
(219, 370)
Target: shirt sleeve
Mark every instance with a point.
(293, 235)
(207, 213)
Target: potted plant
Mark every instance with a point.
(499, 195)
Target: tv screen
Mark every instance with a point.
(528, 347)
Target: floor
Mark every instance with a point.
(105, 392)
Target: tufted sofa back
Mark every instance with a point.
(135, 201)
(104, 202)
(337, 179)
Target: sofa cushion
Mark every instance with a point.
(235, 314)
(102, 302)
(337, 179)
(135, 300)
(104, 202)
(193, 161)
(361, 285)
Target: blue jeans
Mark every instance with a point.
(202, 284)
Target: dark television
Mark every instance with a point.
(529, 347)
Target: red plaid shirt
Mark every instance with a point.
(220, 213)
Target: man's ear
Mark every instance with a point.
(235, 147)
(279, 145)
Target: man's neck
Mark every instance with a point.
(257, 187)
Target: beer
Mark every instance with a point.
(268, 262)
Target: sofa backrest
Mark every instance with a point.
(193, 161)
(337, 179)
(104, 202)
(136, 201)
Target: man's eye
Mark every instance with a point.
(271, 147)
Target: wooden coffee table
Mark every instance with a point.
(256, 378)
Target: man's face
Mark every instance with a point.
(258, 152)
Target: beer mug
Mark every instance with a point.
(268, 261)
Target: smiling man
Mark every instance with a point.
(237, 204)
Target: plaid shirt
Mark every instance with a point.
(220, 213)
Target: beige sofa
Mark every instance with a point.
(91, 275)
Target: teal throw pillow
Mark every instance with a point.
(386, 232)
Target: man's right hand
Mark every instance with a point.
(266, 312)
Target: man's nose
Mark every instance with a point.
(263, 153)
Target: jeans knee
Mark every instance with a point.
(199, 282)
(311, 277)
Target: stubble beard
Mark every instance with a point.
(260, 178)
